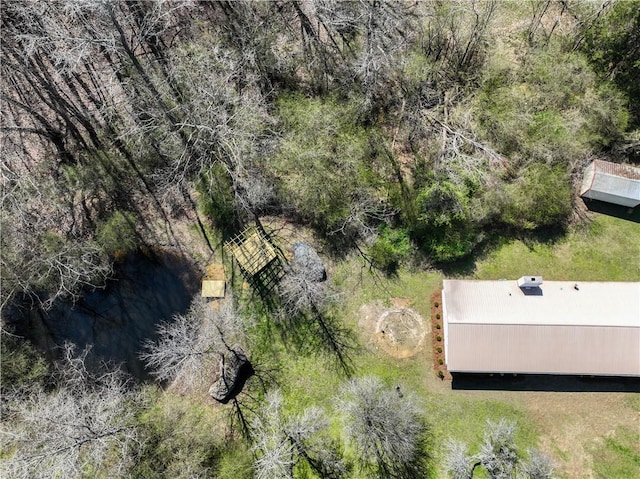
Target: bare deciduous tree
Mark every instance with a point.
(44, 251)
(217, 128)
(384, 28)
(85, 425)
(274, 454)
(300, 292)
(456, 36)
(306, 300)
(386, 430)
(64, 109)
(281, 442)
(187, 341)
(498, 453)
(457, 461)
(498, 456)
(539, 466)
(366, 212)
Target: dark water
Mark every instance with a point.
(147, 289)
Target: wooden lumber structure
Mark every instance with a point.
(214, 282)
(259, 260)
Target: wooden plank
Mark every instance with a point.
(213, 288)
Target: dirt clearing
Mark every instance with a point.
(397, 330)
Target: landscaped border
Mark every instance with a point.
(437, 331)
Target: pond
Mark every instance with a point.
(147, 288)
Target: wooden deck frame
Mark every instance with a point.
(258, 258)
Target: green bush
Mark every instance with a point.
(442, 203)
(549, 108)
(541, 197)
(235, 462)
(445, 229)
(21, 365)
(118, 233)
(436, 304)
(451, 243)
(216, 199)
(440, 374)
(326, 164)
(439, 338)
(391, 247)
(438, 326)
(437, 315)
(440, 361)
(439, 349)
(611, 44)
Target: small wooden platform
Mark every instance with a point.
(213, 284)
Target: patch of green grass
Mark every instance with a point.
(448, 413)
(364, 287)
(608, 250)
(559, 453)
(618, 457)
(235, 462)
(605, 250)
(464, 419)
(309, 382)
(633, 400)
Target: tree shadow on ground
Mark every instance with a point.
(310, 333)
(318, 333)
(544, 382)
(148, 287)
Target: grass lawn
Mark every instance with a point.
(450, 414)
(587, 434)
(617, 456)
(606, 250)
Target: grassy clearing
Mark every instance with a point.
(618, 457)
(606, 250)
(464, 418)
(448, 413)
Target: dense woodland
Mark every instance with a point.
(406, 133)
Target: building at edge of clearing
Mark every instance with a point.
(612, 182)
(552, 327)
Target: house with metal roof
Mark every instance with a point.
(612, 182)
(534, 327)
